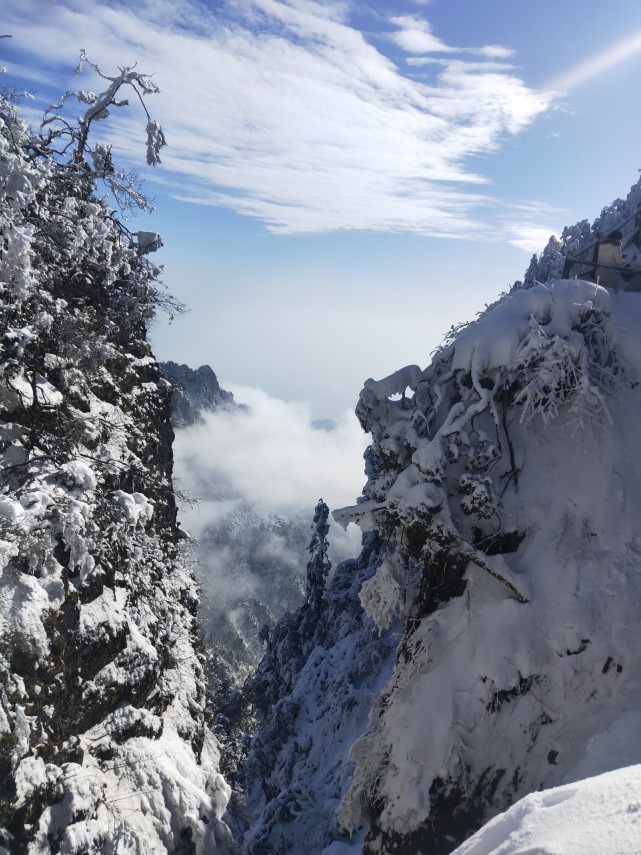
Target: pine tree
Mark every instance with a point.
(319, 565)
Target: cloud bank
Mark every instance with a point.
(257, 475)
(269, 456)
(283, 111)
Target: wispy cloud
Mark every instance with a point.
(283, 111)
(528, 237)
(604, 61)
(414, 35)
(531, 224)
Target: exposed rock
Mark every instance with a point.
(194, 391)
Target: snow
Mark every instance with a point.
(516, 669)
(102, 690)
(482, 650)
(103, 617)
(77, 473)
(597, 816)
(511, 675)
(10, 509)
(136, 506)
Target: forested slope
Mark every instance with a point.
(503, 557)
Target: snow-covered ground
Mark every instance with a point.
(596, 816)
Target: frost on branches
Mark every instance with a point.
(442, 459)
(103, 745)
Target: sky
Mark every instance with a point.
(345, 180)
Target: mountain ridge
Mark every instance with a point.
(194, 391)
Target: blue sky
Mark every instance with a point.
(345, 180)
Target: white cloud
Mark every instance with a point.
(249, 468)
(531, 223)
(528, 237)
(415, 36)
(495, 52)
(284, 112)
(270, 454)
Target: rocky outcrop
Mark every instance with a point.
(194, 391)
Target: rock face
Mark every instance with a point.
(501, 567)
(193, 390)
(103, 744)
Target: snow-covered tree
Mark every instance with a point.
(502, 556)
(103, 744)
(319, 565)
(70, 141)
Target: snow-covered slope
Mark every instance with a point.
(503, 491)
(314, 688)
(596, 816)
(103, 744)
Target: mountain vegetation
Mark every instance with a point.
(103, 741)
(482, 646)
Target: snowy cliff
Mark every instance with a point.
(103, 744)
(488, 634)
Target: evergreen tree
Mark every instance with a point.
(319, 565)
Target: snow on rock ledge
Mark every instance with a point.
(592, 817)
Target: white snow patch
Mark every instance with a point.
(77, 473)
(136, 506)
(597, 816)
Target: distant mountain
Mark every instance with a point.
(194, 390)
